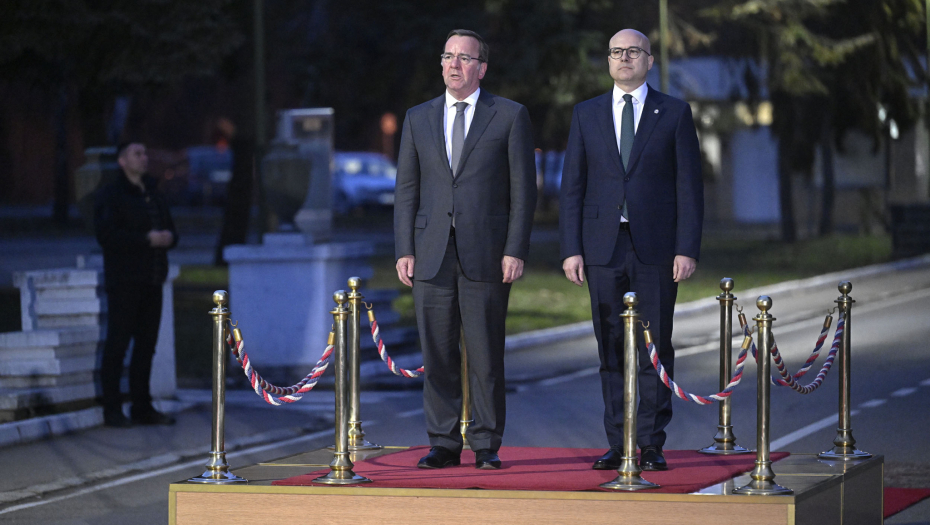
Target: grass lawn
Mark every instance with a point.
(544, 297)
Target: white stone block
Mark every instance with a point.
(77, 420)
(281, 295)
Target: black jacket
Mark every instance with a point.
(122, 224)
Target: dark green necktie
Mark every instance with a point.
(627, 131)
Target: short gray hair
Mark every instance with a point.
(482, 45)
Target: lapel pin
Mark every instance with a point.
(657, 112)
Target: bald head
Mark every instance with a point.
(629, 72)
(631, 34)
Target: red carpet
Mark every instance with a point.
(897, 500)
(561, 469)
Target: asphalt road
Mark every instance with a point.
(554, 401)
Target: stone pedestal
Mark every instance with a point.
(50, 365)
(281, 293)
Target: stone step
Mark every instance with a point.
(31, 398)
(54, 366)
(38, 339)
(46, 380)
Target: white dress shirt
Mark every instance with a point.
(639, 97)
(449, 118)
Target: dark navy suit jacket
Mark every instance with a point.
(662, 185)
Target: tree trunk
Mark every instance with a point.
(828, 194)
(61, 186)
(238, 198)
(789, 232)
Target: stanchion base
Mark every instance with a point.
(844, 456)
(364, 445)
(224, 477)
(725, 450)
(346, 477)
(629, 483)
(763, 488)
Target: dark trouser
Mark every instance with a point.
(133, 313)
(443, 305)
(656, 291)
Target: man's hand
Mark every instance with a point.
(405, 269)
(574, 269)
(512, 267)
(160, 238)
(683, 268)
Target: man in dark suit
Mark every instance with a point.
(463, 210)
(631, 209)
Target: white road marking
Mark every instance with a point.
(873, 403)
(410, 413)
(925, 382)
(569, 377)
(803, 432)
(904, 392)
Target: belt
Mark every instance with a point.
(625, 226)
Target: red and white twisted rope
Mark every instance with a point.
(376, 337)
(789, 381)
(266, 390)
(700, 400)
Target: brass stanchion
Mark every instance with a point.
(725, 440)
(466, 419)
(356, 434)
(341, 467)
(217, 468)
(844, 444)
(628, 477)
(762, 483)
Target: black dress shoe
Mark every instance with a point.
(487, 459)
(651, 458)
(609, 461)
(152, 417)
(439, 457)
(116, 420)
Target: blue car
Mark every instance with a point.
(362, 180)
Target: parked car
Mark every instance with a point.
(362, 180)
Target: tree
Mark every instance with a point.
(88, 53)
(830, 64)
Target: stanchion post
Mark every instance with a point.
(356, 434)
(725, 440)
(763, 477)
(628, 475)
(341, 467)
(466, 419)
(217, 468)
(844, 444)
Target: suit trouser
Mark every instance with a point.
(133, 313)
(656, 290)
(444, 305)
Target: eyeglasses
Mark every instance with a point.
(632, 53)
(465, 59)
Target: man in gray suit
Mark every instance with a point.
(463, 210)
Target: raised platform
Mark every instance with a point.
(825, 493)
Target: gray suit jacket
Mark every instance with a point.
(493, 193)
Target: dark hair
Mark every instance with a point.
(482, 45)
(121, 147)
